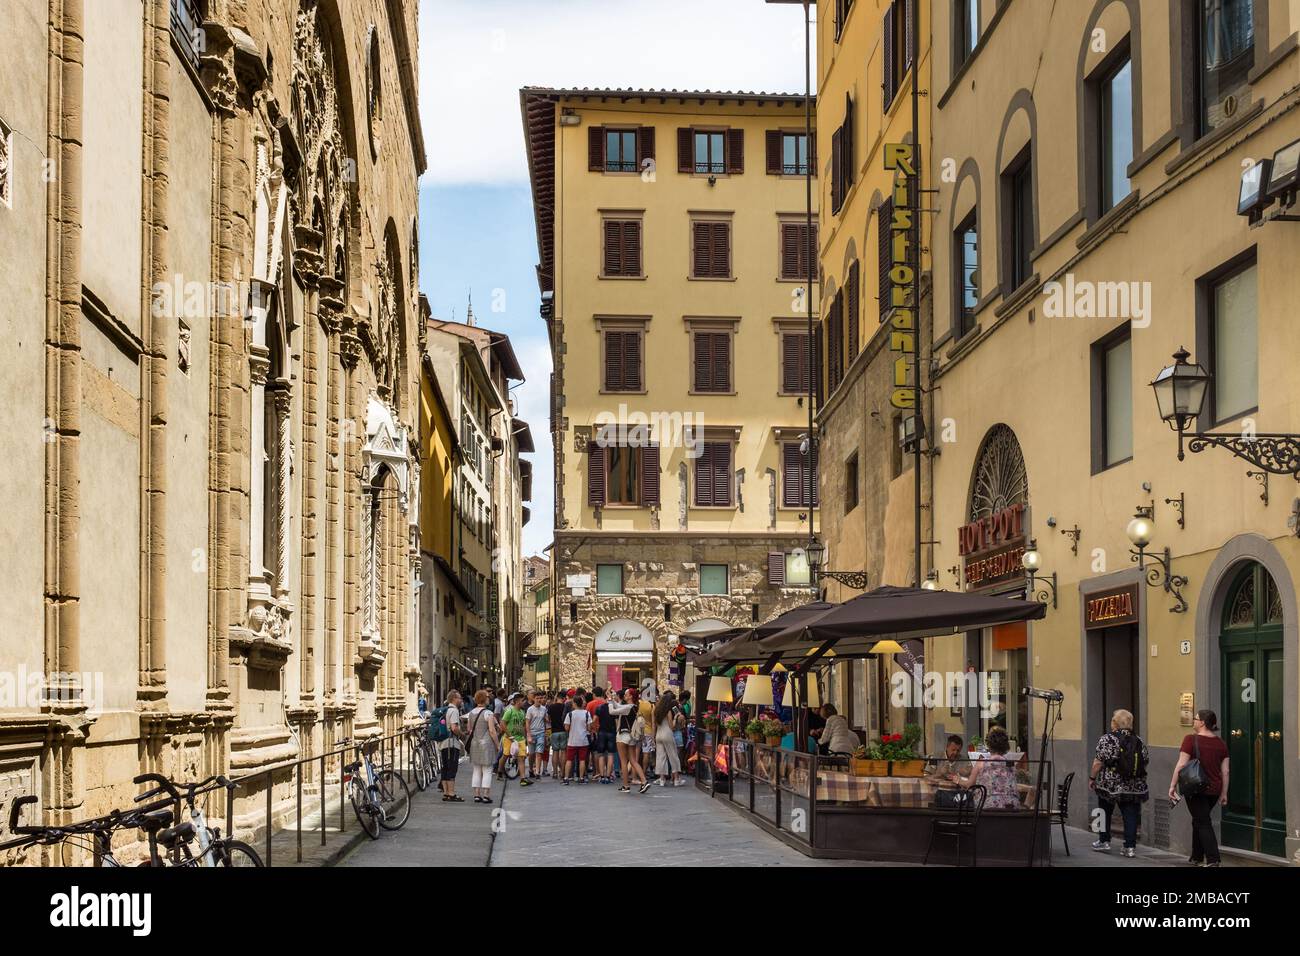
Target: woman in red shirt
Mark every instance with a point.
(1212, 752)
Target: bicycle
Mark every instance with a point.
(380, 798)
(424, 756)
(96, 835)
(214, 849)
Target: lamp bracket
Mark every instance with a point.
(1042, 586)
(1262, 478)
(1159, 575)
(850, 579)
(1276, 453)
(1074, 534)
(1178, 505)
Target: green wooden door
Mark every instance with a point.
(1250, 645)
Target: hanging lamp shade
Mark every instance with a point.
(758, 691)
(720, 689)
(887, 646)
(814, 696)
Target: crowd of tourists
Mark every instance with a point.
(633, 738)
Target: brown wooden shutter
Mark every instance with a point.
(613, 253)
(789, 250)
(812, 480)
(776, 568)
(735, 151)
(645, 145)
(884, 221)
(722, 361)
(685, 150)
(849, 155)
(834, 343)
(613, 361)
(703, 366)
(703, 497)
(701, 233)
(596, 148)
(720, 254)
(887, 61)
(791, 474)
(819, 346)
(794, 362)
(631, 248)
(595, 474)
(632, 361)
(650, 475)
(722, 474)
(851, 317)
(837, 169)
(812, 152)
(775, 153)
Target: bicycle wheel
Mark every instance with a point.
(395, 799)
(235, 853)
(365, 810)
(423, 770)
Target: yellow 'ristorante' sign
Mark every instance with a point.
(902, 336)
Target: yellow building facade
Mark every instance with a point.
(1088, 160)
(671, 227)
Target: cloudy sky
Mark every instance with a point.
(476, 225)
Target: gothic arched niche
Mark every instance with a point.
(999, 479)
(326, 204)
(388, 329)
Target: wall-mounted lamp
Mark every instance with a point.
(931, 582)
(1032, 562)
(570, 118)
(1159, 574)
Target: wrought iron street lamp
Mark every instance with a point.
(1180, 396)
(1032, 562)
(1159, 573)
(817, 557)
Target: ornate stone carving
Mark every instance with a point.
(6, 165)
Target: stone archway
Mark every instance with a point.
(578, 652)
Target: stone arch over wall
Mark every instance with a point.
(580, 648)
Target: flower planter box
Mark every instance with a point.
(907, 768)
(774, 741)
(868, 768)
(755, 738)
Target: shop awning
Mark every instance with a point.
(852, 628)
(468, 670)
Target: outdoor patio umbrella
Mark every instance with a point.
(853, 627)
(740, 644)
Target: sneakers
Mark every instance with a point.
(644, 787)
(679, 782)
(1101, 846)
(566, 781)
(525, 783)
(624, 789)
(1129, 852)
(660, 781)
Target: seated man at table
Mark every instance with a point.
(953, 765)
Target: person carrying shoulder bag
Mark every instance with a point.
(1201, 776)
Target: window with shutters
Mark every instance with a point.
(794, 363)
(710, 152)
(797, 252)
(787, 153)
(711, 361)
(896, 45)
(835, 343)
(798, 481)
(844, 164)
(620, 248)
(1017, 222)
(710, 249)
(623, 358)
(623, 473)
(713, 475)
(624, 149)
(842, 8)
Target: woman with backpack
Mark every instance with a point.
(668, 718)
(484, 745)
(1202, 777)
(628, 727)
(1119, 776)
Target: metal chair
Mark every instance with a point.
(966, 819)
(1063, 805)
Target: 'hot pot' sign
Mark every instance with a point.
(992, 547)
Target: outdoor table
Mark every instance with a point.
(834, 786)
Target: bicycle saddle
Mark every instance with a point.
(180, 834)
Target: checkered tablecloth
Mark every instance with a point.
(836, 787)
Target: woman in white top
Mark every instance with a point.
(627, 739)
(837, 737)
(484, 744)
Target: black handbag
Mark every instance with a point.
(1191, 779)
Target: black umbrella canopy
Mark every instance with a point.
(901, 613)
(742, 646)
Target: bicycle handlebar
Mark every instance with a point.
(164, 786)
(15, 812)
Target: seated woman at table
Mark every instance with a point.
(995, 775)
(836, 737)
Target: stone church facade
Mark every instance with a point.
(208, 412)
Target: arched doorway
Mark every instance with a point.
(1251, 665)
